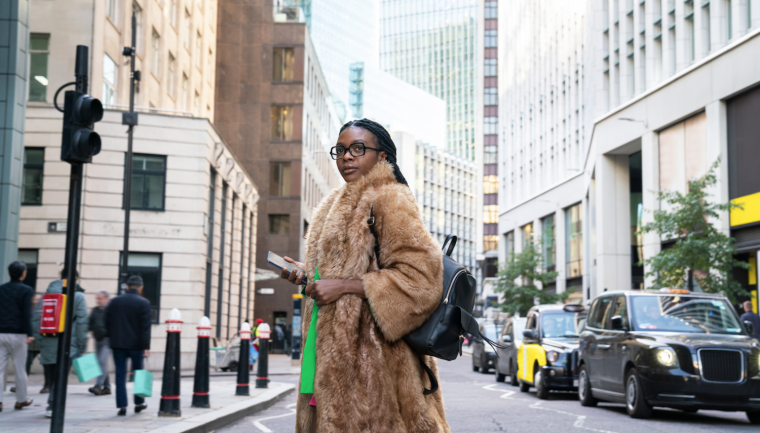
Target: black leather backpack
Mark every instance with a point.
(442, 334)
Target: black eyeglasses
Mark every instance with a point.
(356, 149)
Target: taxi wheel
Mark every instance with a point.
(635, 403)
(500, 377)
(483, 366)
(584, 389)
(754, 417)
(524, 386)
(474, 367)
(513, 371)
(541, 391)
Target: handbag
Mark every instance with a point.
(87, 367)
(442, 334)
(143, 383)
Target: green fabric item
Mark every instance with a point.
(309, 363)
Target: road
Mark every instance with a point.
(476, 403)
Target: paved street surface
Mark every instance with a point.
(476, 403)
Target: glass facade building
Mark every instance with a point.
(432, 45)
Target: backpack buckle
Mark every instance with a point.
(371, 221)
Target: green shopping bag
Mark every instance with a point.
(143, 383)
(87, 367)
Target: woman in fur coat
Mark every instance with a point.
(366, 378)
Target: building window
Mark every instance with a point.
(155, 44)
(188, 30)
(30, 258)
(574, 241)
(490, 155)
(509, 244)
(491, 10)
(34, 160)
(490, 39)
(198, 51)
(171, 80)
(279, 225)
(489, 96)
(490, 125)
(490, 68)
(282, 123)
(730, 19)
(284, 64)
(138, 20)
(185, 93)
(491, 214)
(39, 51)
(549, 244)
(490, 184)
(148, 182)
(527, 234)
(109, 81)
(173, 13)
(112, 8)
(148, 266)
(279, 179)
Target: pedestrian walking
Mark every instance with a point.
(15, 330)
(358, 374)
(49, 344)
(102, 349)
(128, 327)
(751, 316)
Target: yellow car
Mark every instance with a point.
(547, 358)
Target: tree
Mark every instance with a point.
(701, 252)
(517, 282)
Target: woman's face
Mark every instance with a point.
(354, 167)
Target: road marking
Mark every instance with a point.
(580, 419)
(505, 396)
(263, 428)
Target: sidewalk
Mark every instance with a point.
(88, 413)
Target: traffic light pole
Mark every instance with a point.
(131, 120)
(63, 361)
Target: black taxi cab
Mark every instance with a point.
(670, 348)
(547, 357)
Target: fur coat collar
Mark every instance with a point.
(367, 379)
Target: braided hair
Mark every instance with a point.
(383, 141)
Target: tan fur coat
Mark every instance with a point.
(367, 379)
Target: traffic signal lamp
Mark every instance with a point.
(80, 112)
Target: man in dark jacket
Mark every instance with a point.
(99, 331)
(752, 317)
(15, 330)
(128, 326)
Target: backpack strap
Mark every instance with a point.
(431, 376)
(470, 325)
(371, 224)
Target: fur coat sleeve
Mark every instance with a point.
(407, 288)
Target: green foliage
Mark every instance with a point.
(517, 281)
(699, 245)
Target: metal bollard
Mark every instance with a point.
(262, 381)
(200, 383)
(243, 373)
(169, 405)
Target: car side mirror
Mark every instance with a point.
(506, 338)
(750, 327)
(617, 323)
(530, 335)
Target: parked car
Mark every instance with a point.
(670, 348)
(483, 355)
(511, 337)
(547, 357)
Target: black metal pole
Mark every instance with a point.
(170, 403)
(262, 375)
(243, 373)
(201, 380)
(63, 359)
(128, 166)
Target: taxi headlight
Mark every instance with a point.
(552, 356)
(666, 357)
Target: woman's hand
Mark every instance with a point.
(328, 291)
(294, 277)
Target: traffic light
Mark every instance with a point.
(80, 111)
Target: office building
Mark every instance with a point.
(272, 75)
(634, 98)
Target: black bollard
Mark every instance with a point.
(169, 405)
(200, 383)
(243, 373)
(262, 379)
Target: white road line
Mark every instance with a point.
(580, 419)
(263, 428)
(505, 396)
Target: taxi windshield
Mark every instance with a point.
(491, 330)
(678, 313)
(560, 324)
(519, 327)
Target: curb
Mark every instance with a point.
(211, 421)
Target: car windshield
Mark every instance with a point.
(491, 330)
(519, 327)
(560, 324)
(677, 313)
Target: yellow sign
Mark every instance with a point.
(752, 270)
(298, 296)
(750, 212)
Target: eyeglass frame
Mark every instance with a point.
(352, 153)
